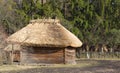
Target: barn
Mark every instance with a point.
(45, 41)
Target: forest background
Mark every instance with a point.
(94, 22)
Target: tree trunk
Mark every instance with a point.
(87, 53)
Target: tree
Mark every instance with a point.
(92, 21)
(8, 17)
(113, 36)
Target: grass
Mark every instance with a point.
(23, 67)
(82, 63)
(14, 67)
(98, 59)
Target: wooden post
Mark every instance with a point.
(70, 55)
(20, 57)
(12, 54)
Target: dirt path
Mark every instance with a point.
(101, 67)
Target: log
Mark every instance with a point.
(43, 55)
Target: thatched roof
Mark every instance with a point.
(45, 33)
(15, 47)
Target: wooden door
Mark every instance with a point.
(16, 56)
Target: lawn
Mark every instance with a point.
(82, 66)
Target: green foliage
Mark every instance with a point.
(93, 21)
(8, 17)
(113, 36)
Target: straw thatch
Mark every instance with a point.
(14, 47)
(46, 33)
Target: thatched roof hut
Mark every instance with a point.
(47, 33)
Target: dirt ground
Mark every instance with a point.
(92, 66)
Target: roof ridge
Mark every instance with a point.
(45, 21)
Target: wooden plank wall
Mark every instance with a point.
(42, 55)
(70, 55)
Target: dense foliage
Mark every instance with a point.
(93, 21)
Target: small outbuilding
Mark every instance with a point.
(45, 41)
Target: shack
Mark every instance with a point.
(45, 41)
